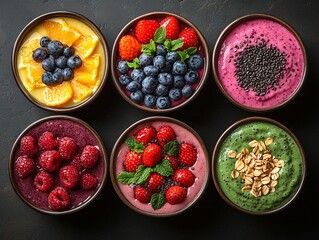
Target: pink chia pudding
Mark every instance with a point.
(261, 63)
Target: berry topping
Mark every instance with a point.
(69, 176)
(163, 103)
(195, 62)
(47, 141)
(188, 35)
(47, 78)
(145, 29)
(55, 48)
(165, 134)
(44, 41)
(184, 177)
(43, 181)
(187, 91)
(67, 74)
(187, 154)
(74, 62)
(88, 181)
(129, 48)
(149, 100)
(29, 146)
(48, 64)
(175, 195)
(50, 160)
(132, 161)
(155, 182)
(68, 51)
(89, 156)
(76, 162)
(173, 161)
(24, 166)
(67, 148)
(39, 54)
(171, 25)
(142, 194)
(61, 61)
(137, 96)
(59, 199)
(152, 155)
(146, 135)
(122, 67)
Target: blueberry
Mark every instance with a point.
(175, 94)
(149, 84)
(167, 68)
(151, 70)
(61, 62)
(133, 86)
(187, 91)
(39, 54)
(191, 76)
(172, 57)
(67, 74)
(179, 67)
(162, 102)
(48, 64)
(160, 50)
(55, 48)
(161, 90)
(137, 96)
(145, 59)
(122, 67)
(57, 76)
(74, 62)
(149, 100)
(47, 78)
(44, 41)
(68, 51)
(165, 78)
(179, 81)
(138, 75)
(124, 79)
(159, 61)
(195, 62)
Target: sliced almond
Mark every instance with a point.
(268, 141)
(232, 154)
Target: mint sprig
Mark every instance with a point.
(134, 145)
(157, 201)
(149, 48)
(172, 148)
(164, 168)
(187, 53)
(126, 177)
(142, 174)
(173, 45)
(160, 35)
(135, 64)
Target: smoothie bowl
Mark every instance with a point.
(160, 62)
(60, 61)
(258, 166)
(259, 62)
(58, 165)
(159, 167)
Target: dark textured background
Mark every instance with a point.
(211, 218)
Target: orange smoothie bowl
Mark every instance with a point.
(60, 61)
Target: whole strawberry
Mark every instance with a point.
(145, 29)
(129, 48)
(189, 36)
(171, 25)
(152, 155)
(24, 166)
(132, 161)
(142, 194)
(165, 134)
(155, 182)
(29, 146)
(146, 135)
(187, 154)
(173, 161)
(175, 194)
(184, 177)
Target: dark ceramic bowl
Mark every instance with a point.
(200, 169)
(60, 125)
(203, 50)
(222, 166)
(23, 37)
(224, 68)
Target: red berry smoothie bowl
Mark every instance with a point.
(259, 63)
(58, 165)
(159, 167)
(160, 62)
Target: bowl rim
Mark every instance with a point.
(220, 41)
(202, 41)
(222, 138)
(20, 40)
(12, 159)
(121, 139)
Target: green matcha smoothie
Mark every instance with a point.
(283, 147)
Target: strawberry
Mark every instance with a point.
(171, 25)
(146, 135)
(173, 161)
(188, 35)
(184, 177)
(187, 154)
(132, 161)
(175, 194)
(165, 134)
(145, 29)
(142, 194)
(129, 48)
(155, 181)
(152, 155)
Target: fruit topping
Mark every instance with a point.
(24, 166)
(132, 161)
(165, 134)
(89, 156)
(129, 48)
(59, 199)
(88, 181)
(187, 154)
(189, 36)
(67, 148)
(50, 160)
(145, 29)
(29, 146)
(44, 181)
(175, 195)
(146, 135)
(171, 26)
(184, 177)
(47, 141)
(69, 176)
(152, 155)
(142, 194)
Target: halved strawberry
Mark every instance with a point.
(155, 181)
(132, 161)
(152, 155)
(146, 135)
(145, 29)
(187, 154)
(175, 194)
(171, 25)
(165, 134)
(189, 36)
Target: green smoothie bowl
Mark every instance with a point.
(258, 166)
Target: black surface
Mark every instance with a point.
(211, 218)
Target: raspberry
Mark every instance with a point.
(184, 177)
(43, 181)
(146, 135)
(76, 162)
(142, 194)
(89, 156)
(173, 161)
(28, 146)
(132, 161)
(47, 141)
(50, 160)
(24, 166)
(152, 155)
(187, 154)
(175, 194)
(88, 181)
(69, 176)
(67, 148)
(165, 134)
(59, 199)
(129, 48)
(155, 181)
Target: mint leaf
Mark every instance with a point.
(126, 177)
(160, 35)
(142, 174)
(134, 145)
(183, 55)
(176, 44)
(172, 148)
(167, 44)
(191, 50)
(164, 168)
(157, 201)
(150, 48)
(135, 64)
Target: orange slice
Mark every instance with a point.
(34, 74)
(85, 45)
(25, 53)
(87, 73)
(80, 92)
(58, 29)
(57, 95)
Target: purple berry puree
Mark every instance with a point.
(61, 128)
(253, 33)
